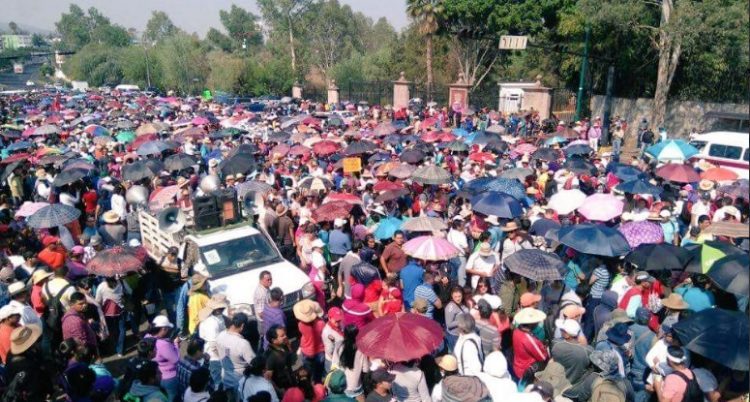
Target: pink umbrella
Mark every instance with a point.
(280, 150)
(162, 198)
(637, 233)
(28, 208)
(199, 121)
(346, 197)
(430, 248)
(601, 207)
(299, 150)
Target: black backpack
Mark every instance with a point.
(693, 392)
(54, 310)
(648, 137)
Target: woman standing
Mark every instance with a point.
(110, 296)
(454, 307)
(354, 364)
(167, 354)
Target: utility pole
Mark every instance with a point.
(606, 126)
(582, 77)
(148, 67)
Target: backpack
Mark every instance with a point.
(54, 310)
(648, 137)
(693, 392)
(603, 390)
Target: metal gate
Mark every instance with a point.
(372, 92)
(563, 104)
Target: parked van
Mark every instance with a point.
(728, 149)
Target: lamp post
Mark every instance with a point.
(582, 76)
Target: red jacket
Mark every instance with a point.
(527, 350)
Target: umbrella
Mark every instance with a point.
(672, 150)
(639, 186)
(430, 248)
(125, 137)
(732, 274)
(594, 239)
(315, 184)
(239, 163)
(496, 203)
(332, 210)
(482, 157)
(252, 186)
(69, 176)
(379, 157)
(519, 174)
(566, 201)
(495, 129)
(16, 158)
(387, 227)
(424, 224)
(524, 148)
(179, 161)
(497, 147)
(577, 149)
(546, 154)
(390, 195)
(719, 174)
(46, 130)
(387, 185)
(384, 129)
(365, 273)
(152, 148)
(734, 190)
(346, 197)
(555, 140)
(512, 187)
(103, 140)
(458, 146)
(18, 146)
(579, 166)
(118, 260)
(644, 232)
(299, 150)
(384, 168)
(729, 229)
(625, 172)
(163, 197)
(28, 208)
(247, 149)
(77, 164)
(403, 171)
(412, 156)
(96, 130)
(326, 147)
(535, 264)
(53, 215)
(658, 257)
(416, 335)
(140, 170)
(601, 207)
(125, 125)
(703, 256)
(431, 174)
(359, 148)
(678, 173)
(717, 334)
(280, 151)
(279, 136)
(484, 139)
(149, 128)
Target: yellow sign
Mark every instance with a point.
(352, 165)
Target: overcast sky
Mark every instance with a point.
(190, 15)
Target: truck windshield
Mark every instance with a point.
(236, 255)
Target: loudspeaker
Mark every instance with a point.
(226, 201)
(206, 211)
(171, 220)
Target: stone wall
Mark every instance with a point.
(681, 116)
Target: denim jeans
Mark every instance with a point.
(116, 326)
(214, 368)
(171, 387)
(169, 301)
(616, 145)
(316, 365)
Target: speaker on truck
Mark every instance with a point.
(207, 213)
(226, 200)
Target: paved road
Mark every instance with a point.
(12, 81)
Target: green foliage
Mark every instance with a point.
(241, 26)
(96, 63)
(46, 70)
(38, 40)
(159, 27)
(78, 29)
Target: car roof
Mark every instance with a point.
(724, 137)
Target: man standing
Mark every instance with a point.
(235, 353)
(19, 294)
(425, 291)
(351, 259)
(393, 257)
(285, 233)
(570, 353)
(339, 243)
(75, 325)
(261, 298)
(457, 237)
(279, 359)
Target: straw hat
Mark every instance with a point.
(41, 174)
(675, 302)
(706, 185)
(529, 315)
(447, 362)
(197, 281)
(510, 226)
(307, 310)
(111, 217)
(7, 311)
(485, 250)
(16, 288)
(39, 276)
(492, 220)
(22, 338)
(217, 302)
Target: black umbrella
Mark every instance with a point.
(279, 136)
(139, 170)
(657, 257)
(240, 163)
(379, 157)
(546, 154)
(717, 334)
(732, 274)
(578, 149)
(594, 239)
(702, 256)
(69, 176)
(579, 166)
(519, 174)
(496, 203)
(365, 273)
(536, 265)
(152, 148)
(486, 138)
(625, 172)
(497, 146)
(248, 149)
(53, 215)
(431, 174)
(412, 156)
(359, 148)
(179, 161)
(639, 186)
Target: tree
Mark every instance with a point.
(37, 40)
(74, 28)
(159, 27)
(241, 26)
(283, 16)
(426, 13)
(13, 28)
(333, 32)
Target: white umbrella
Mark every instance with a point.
(566, 201)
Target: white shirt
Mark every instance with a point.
(621, 286)
(119, 205)
(467, 354)
(69, 200)
(500, 388)
(698, 209)
(209, 330)
(28, 316)
(251, 385)
(332, 340)
(189, 148)
(458, 239)
(236, 354)
(481, 264)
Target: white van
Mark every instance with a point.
(127, 88)
(728, 149)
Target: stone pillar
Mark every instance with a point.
(539, 98)
(297, 90)
(458, 93)
(333, 93)
(401, 92)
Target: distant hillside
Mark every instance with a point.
(24, 27)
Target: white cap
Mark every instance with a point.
(7, 311)
(339, 222)
(571, 327)
(161, 321)
(318, 244)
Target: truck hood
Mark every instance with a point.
(240, 288)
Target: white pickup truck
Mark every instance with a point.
(232, 257)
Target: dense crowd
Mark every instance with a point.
(454, 255)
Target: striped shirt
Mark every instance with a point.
(602, 281)
(425, 291)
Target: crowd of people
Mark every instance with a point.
(551, 268)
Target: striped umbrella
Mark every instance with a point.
(424, 224)
(430, 248)
(315, 183)
(431, 174)
(52, 216)
(536, 265)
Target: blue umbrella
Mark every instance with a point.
(555, 140)
(387, 227)
(639, 187)
(152, 148)
(512, 187)
(578, 149)
(496, 203)
(17, 146)
(53, 215)
(594, 239)
(460, 132)
(672, 150)
(625, 172)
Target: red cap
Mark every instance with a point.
(335, 314)
(50, 240)
(528, 299)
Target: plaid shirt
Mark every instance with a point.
(260, 299)
(185, 368)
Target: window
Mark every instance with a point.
(725, 151)
(698, 144)
(746, 158)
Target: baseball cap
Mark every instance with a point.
(161, 321)
(571, 327)
(528, 299)
(335, 314)
(382, 375)
(643, 276)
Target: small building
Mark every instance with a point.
(12, 42)
(525, 96)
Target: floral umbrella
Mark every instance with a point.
(415, 334)
(637, 233)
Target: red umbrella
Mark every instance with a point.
(431, 136)
(326, 147)
(678, 173)
(482, 157)
(387, 185)
(118, 260)
(719, 174)
(299, 150)
(141, 139)
(311, 121)
(346, 197)
(447, 137)
(331, 211)
(280, 150)
(400, 337)
(15, 158)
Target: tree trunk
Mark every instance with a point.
(292, 51)
(429, 66)
(670, 49)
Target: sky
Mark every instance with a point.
(190, 15)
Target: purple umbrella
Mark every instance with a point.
(637, 233)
